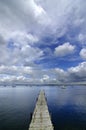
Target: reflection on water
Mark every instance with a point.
(67, 107)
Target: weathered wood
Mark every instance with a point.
(41, 119)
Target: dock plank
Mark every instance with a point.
(41, 119)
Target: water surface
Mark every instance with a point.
(66, 106)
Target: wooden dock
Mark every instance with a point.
(41, 119)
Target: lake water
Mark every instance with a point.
(66, 106)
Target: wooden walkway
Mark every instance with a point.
(41, 119)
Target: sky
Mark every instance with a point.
(42, 40)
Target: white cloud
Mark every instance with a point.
(80, 69)
(83, 53)
(65, 49)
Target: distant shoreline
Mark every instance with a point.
(41, 84)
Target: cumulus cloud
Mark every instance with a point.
(64, 49)
(83, 53)
(78, 73)
(73, 74)
(80, 70)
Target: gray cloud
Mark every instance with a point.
(78, 73)
(64, 49)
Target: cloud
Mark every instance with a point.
(82, 38)
(80, 69)
(20, 56)
(31, 29)
(78, 73)
(4, 54)
(45, 78)
(21, 16)
(10, 80)
(83, 54)
(35, 75)
(73, 74)
(60, 74)
(23, 38)
(20, 49)
(40, 16)
(30, 53)
(63, 50)
(15, 70)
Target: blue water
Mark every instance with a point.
(66, 106)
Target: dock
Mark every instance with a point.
(41, 119)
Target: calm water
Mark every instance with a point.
(67, 107)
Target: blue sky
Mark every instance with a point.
(43, 40)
